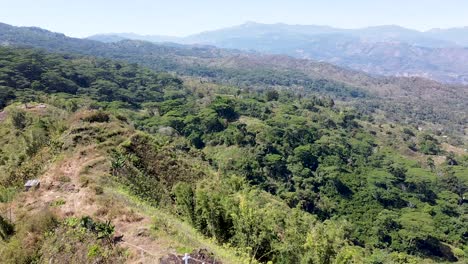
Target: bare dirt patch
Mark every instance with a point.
(62, 192)
(3, 116)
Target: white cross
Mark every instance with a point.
(186, 258)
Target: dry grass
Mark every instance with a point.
(84, 170)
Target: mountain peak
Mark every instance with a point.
(250, 23)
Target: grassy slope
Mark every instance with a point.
(75, 182)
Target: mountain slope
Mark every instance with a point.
(135, 165)
(385, 50)
(76, 185)
(458, 36)
(315, 33)
(427, 101)
(115, 37)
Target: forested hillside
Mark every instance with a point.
(390, 50)
(413, 101)
(385, 50)
(251, 175)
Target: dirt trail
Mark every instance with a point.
(62, 191)
(3, 116)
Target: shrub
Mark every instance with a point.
(98, 190)
(57, 203)
(6, 228)
(97, 117)
(19, 119)
(25, 244)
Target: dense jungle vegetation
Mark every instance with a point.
(277, 175)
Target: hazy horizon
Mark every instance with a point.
(220, 28)
(278, 23)
(181, 18)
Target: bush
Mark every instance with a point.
(6, 94)
(6, 229)
(272, 95)
(97, 117)
(18, 119)
(98, 190)
(25, 244)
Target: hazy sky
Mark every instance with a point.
(178, 17)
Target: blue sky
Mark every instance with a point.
(179, 17)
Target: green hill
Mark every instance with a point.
(176, 165)
(412, 101)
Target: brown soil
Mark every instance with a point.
(61, 182)
(3, 116)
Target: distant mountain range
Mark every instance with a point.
(438, 54)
